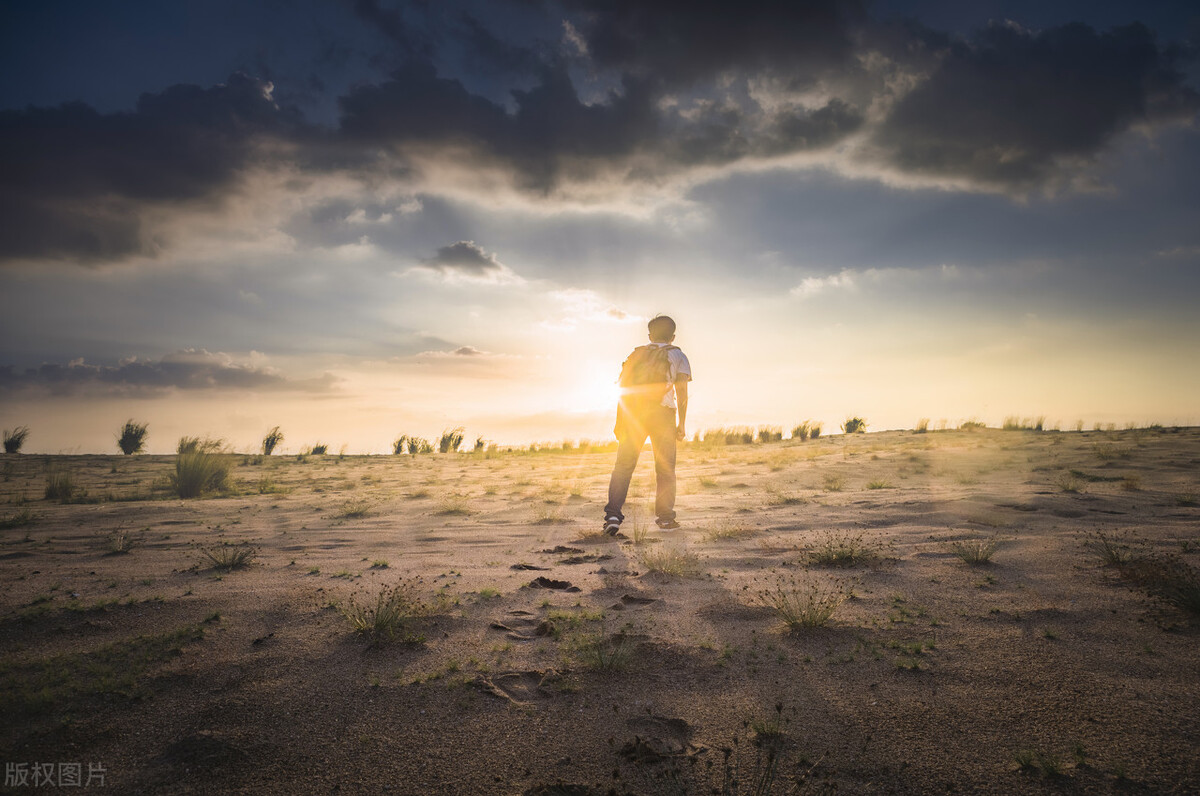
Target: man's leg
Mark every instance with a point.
(629, 447)
(662, 437)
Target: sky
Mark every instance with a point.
(356, 219)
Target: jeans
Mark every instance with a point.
(657, 423)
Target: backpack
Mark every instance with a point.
(645, 376)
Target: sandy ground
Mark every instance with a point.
(935, 677)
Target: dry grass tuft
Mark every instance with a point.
(669, 560)
(201, 468)
(842, 549)
(61, 486)
(599, 653)
(975, 552)
(1070, 483)
(729, 530)
(355, 510)
(454, 506)
(803, 607)
(388, 616)
(229, 556)
(1113, 551)
(120, 542)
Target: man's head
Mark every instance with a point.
(662, 329)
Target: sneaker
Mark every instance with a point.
(612, 525)
(666, 525)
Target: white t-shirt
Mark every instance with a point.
(680, 368)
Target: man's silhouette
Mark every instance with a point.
(654, 382)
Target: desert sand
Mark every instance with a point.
(1040, 671)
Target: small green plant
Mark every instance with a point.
(834, 482)
(228, 556)
(922, 426)
(267, 486)
(398, 444)
(1026, 759)
(769, 732)
(120, 542)
(14, 439)
(1113, 550)
(319, 449)
(69, 683)
(388, 616)
(854, 425)
(671, 560)
(204, 469)
(802, 431)
(879, 484)
(451, 440)
(975, 552)
(802, 607)
(600, 653)
(1049, 764)
(841, 549)
(639, 528)
(271, 441)
(132, 437)
(419, 445)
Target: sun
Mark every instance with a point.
(594, 389)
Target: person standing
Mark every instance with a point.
(654, 403)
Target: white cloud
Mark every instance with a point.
(579, 305)
(814, 285)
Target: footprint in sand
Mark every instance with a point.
(519, 688)
(658, 738)
(542, 582)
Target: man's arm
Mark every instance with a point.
(681, 398)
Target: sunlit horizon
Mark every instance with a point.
(887, 231)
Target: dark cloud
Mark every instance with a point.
(550, 126)
(390, 23)
(1008, 106)
(183, 370)
(655, 90)
(680, 42)
(553, 137)
(464, 258)
(488, 52)
(75, 181)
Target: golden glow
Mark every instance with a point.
(595, 390)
